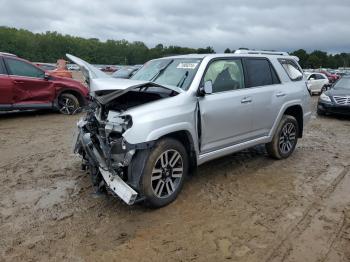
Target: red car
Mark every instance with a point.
(331, 77)
(24, 85)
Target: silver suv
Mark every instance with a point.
(141, 137)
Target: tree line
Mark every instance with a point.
(50, 46)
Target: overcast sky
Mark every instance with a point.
(269, 24)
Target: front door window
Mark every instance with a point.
(225, 75)
(21, 68)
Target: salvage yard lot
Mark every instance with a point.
(244, 207)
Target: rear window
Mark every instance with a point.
(260, 72)
(292, 69)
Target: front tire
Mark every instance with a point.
(285, 138)
(68, 104)
(164, 172)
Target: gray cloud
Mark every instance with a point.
(269, 24)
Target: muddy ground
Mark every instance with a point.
(244, 207)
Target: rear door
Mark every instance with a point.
(29, 86)
(267, 94)
(6, 94)
(226, 113)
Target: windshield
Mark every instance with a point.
(174, 72)
(343, 83)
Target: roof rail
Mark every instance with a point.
(258, 52)
(7, 54)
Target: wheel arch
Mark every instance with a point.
(77, 94)
(185, 138)
(297, 112)
(295, 109)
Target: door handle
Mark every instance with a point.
(246, 100)
(280, 94)
(18, 82)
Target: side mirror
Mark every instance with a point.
(206, 89)
(47, 76)
(311, 78)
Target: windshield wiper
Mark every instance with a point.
(182, 80)
(160, 71)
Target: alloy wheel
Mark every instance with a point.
(167, 173)
(67, 106)
(287, 138)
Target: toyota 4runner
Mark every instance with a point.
(142, 136)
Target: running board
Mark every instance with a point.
(231, 149)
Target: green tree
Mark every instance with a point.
(302, 55)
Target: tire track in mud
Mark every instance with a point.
(285, 248)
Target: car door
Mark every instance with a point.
(29, 86)
(226, 112)
(266, 92)
(315, 83)
(323, 80)
(6, 95)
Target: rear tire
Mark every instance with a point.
(68, 104)
(164, 172)
(285, 138)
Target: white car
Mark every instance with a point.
(317, 82)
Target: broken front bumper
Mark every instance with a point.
(82, 141)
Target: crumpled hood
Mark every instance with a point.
(119, 87)
(89, 71)
(100, 81)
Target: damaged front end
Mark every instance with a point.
(105, 154)
(99, 140)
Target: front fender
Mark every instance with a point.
(168, 129)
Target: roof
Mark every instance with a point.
(6, 54)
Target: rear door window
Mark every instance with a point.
(320, 77)
(260, 72)
(21, 68)
(292, 69)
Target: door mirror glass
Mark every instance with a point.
(208, 87)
